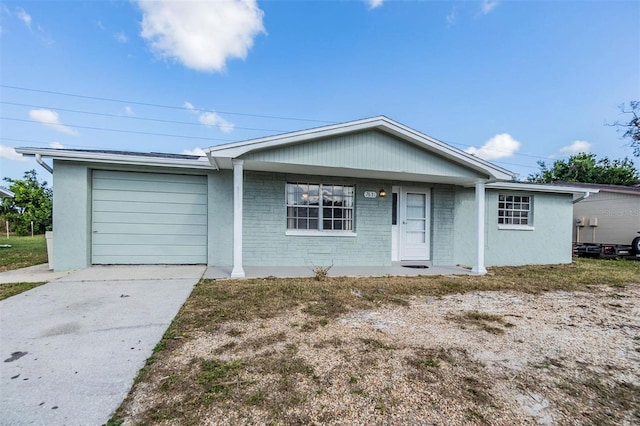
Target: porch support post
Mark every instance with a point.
(478, 265)
(237, 271)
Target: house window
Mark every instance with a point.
(320, 207)
(514, 210)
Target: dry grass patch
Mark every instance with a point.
(398, 350)
(491, 323)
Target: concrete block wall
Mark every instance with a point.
(442, 225)
(264, 229)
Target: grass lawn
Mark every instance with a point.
(8, 290)
(24, 251)
(244, 351)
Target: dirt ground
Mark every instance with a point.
(499, 358)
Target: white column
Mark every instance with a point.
(478, 265)
(237, 271)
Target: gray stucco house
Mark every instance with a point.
(362, 193)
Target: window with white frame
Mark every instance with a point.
(515, 209)
(320, 207)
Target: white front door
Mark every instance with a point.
(414, 225)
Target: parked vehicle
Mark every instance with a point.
(609, 251)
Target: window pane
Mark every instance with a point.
(303, 201)
(514, 209)
(394, 209)
(415, 237)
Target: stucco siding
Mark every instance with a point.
(71, 216)
(371, 150)
(265, 242)
(618, 217)
(548, 242)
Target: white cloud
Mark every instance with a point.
(10, 154)
(195, 151)
(120, 37)
(488, 5)
(23, 16)
(499, 146)
(56, 145)
(451, 17)
(576, 148)
(210, 119)
(50, 119)
(374, 3)
(128, 110)
(202, 35)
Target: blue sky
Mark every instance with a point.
(512, 81)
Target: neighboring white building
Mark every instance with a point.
(611, 216)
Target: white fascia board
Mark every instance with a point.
(126, 159)
(237, 149)
(5, 193)
(534, 187)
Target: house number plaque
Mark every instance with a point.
(370, 194)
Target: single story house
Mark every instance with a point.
(362, 193)
(609, 216)
(5, 193)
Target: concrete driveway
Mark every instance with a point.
(70, 349)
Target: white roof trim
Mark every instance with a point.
(237, 149)
(111, 158)
(5, 193)
(536, 187)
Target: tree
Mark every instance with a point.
(587, 169)
(32, 202)
(631, 130)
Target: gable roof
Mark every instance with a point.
(5, 193)
(221, 155)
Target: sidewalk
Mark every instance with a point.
(31, 274)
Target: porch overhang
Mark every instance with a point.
(221, 156)
(305, 169)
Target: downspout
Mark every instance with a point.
(212, 160)
(43, 164)
(584, 197)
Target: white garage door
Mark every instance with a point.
(148, 218)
